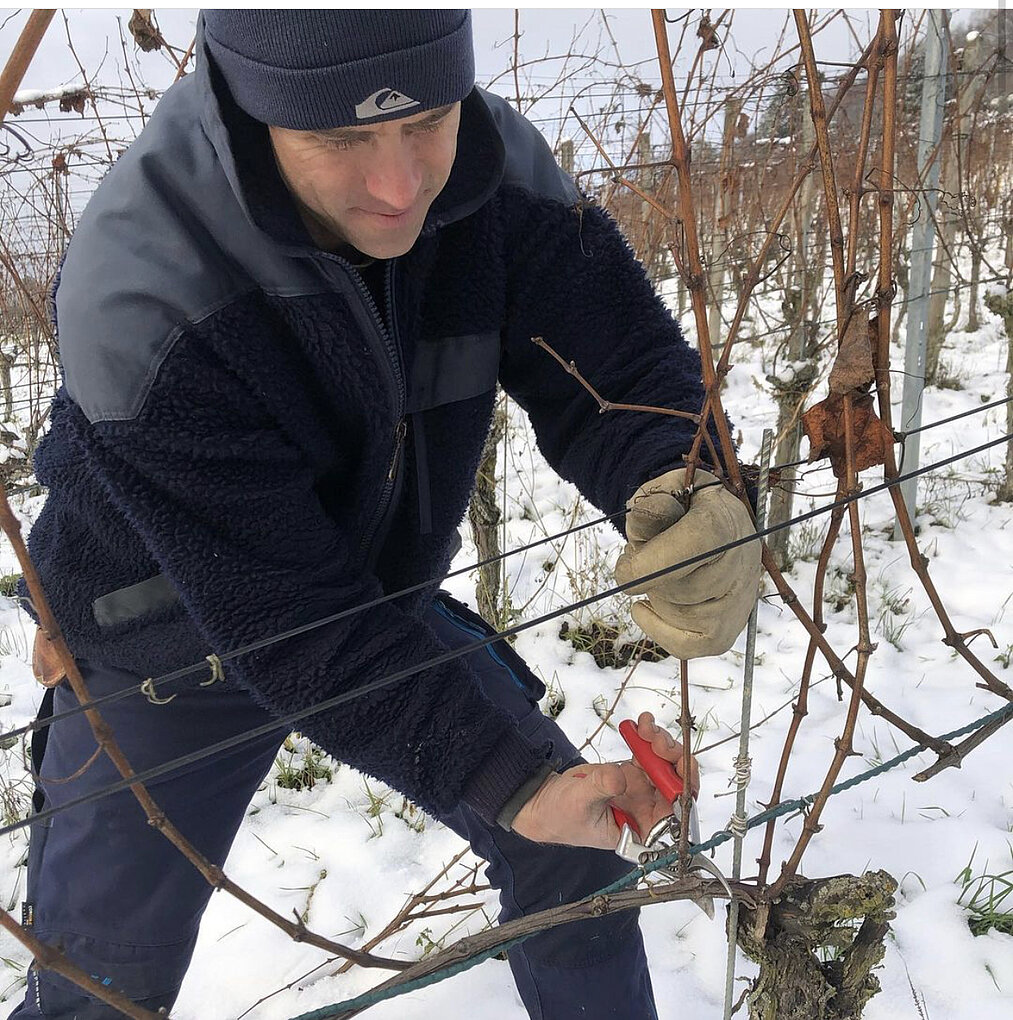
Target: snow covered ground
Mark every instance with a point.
(341, 853)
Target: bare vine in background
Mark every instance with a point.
(657, 191)
(861, 442)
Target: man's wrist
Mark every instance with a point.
(510, 763)
(522, 795)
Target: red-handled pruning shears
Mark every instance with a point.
(664, 836)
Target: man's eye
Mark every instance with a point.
(340, 143)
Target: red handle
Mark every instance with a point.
(622, 818)
(661, 772)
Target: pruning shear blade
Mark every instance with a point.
(664, 836)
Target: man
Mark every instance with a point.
(281, 323)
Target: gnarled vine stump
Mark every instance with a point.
(817, 947)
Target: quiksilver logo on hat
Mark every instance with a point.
(383, 101)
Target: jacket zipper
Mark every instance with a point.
(377, 533)
(389, 343)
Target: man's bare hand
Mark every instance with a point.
(575, 807)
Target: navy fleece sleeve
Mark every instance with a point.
(227, 506)
(574, 281)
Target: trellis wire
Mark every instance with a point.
(295, 717)
(377, 995)
(154, 683)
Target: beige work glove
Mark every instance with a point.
(700, 609)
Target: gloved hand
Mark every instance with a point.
(700, 609)
(574, 807)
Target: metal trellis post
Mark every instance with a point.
(930, 132)
(737, 825)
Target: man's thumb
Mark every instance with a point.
(607, 781)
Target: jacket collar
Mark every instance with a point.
(244, 152)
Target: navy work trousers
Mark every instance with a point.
(125, 905)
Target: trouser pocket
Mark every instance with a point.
(104, 886)
(149, 976)
(497, 656)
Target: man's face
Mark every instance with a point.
(369, 187)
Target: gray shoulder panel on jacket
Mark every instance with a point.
(529, 160)
(164, 242)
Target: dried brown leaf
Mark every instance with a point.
(708, 33)
(143, 29)
(853, 368)
(73, 101)
(824, 426)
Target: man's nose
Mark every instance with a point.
(393, 178)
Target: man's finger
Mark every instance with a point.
(666, 746)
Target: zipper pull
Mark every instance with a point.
(399, 433)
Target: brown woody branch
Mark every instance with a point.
(801, 707)
(420, 904)
(845, 744)
(695, 279)
(885, 292)
(960, 751)
(21, 56)
(756, 267)
(875, 66)
(819, 118)
(596, 906)
(608, 405)
(49, 958)
(617, 175)
(840, 671)
(753, 274)
(417, 907)
(156, 817)
(696, 284)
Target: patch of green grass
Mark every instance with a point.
(303, 771)
(894, 615)
(805, 541)
(949, 376)
(13, 641)
(15, 800)
(942, 499)
(555, 697)
(412, 815)
(839, 592)
(373, 812)
(987, 898)
(608, 644)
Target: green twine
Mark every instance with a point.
(371, 998)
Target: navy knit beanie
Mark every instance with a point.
(315, 69)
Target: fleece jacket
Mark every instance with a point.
(249, 437)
